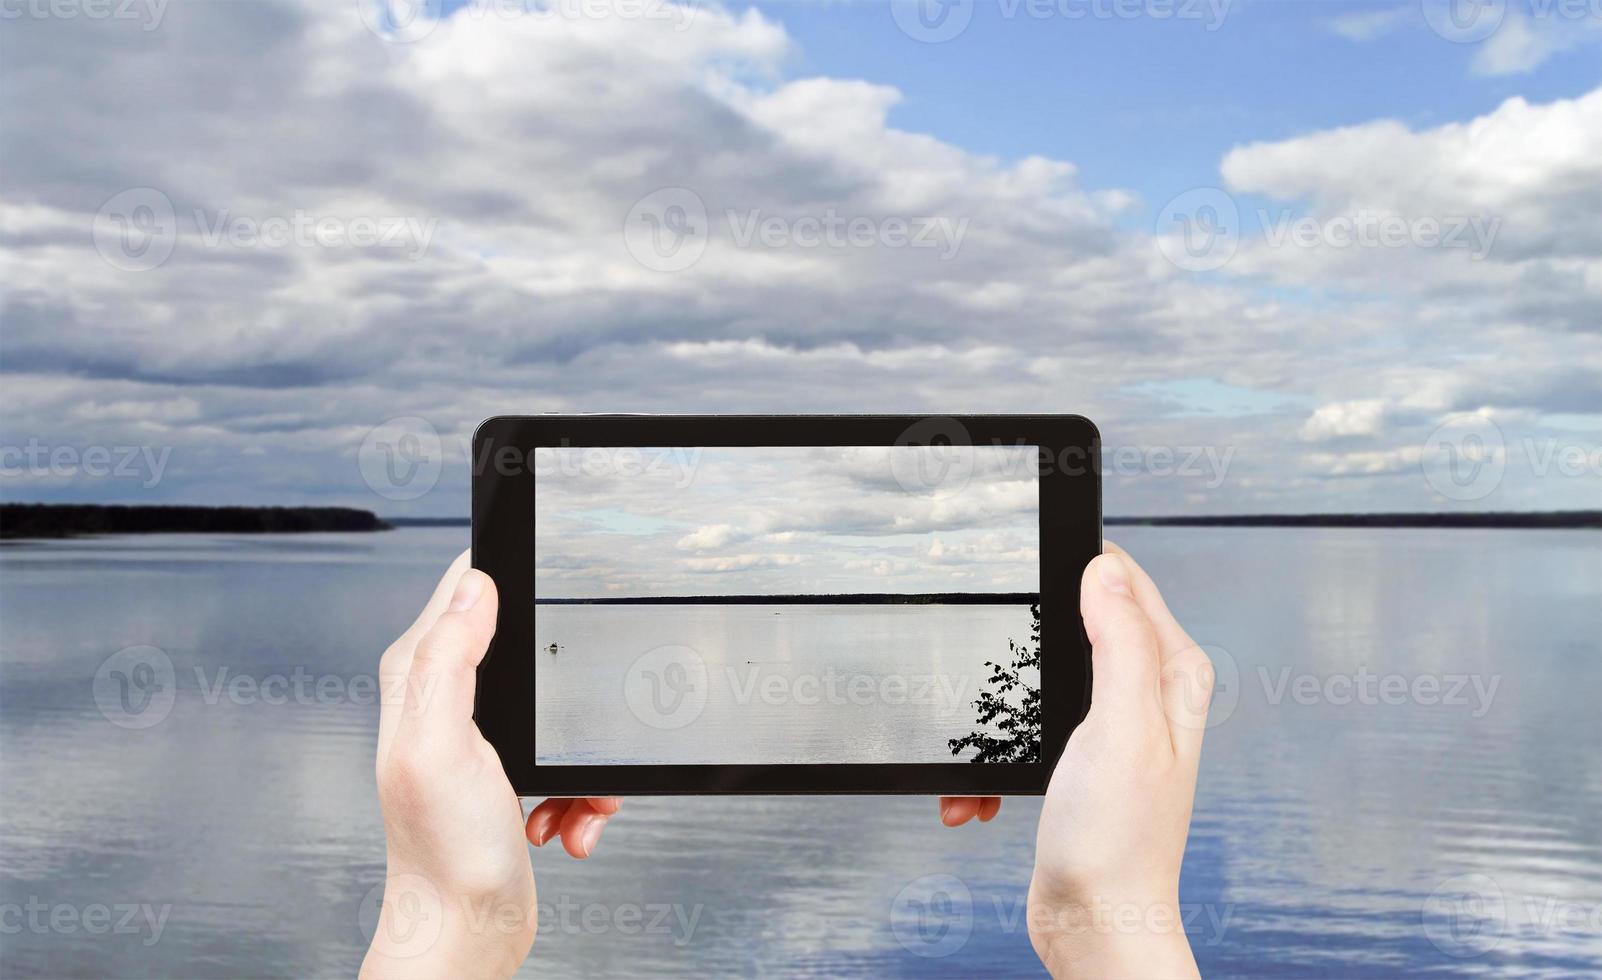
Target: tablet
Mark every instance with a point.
(784, 604)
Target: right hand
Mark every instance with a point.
(1104, 900)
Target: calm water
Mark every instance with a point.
(1453, 831)
(771, 684)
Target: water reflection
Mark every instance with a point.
(1333, 834)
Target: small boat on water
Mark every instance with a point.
(552, 648)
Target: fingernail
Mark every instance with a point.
(542, 832)
(945, 807)
(592, 833)
(1114, 576)
(468, 590)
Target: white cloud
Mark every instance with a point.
(787, 521)
(1522, 43)
(709, 537)
(1345, 419)
(1367, 25)
(528, 141)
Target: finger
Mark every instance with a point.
(1124, 656)
(1187, 692)
(546, 820)
(396, 663)
(440, 600)
(442, 679)
(958, 810)
(604, 804)
(1171, 637)
(581, 829)
(1186, 672)
(989, 806)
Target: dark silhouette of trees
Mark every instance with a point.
(1018, 723)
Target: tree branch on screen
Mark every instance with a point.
(1019, 723)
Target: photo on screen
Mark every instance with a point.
(786, 605)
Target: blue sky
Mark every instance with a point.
(1153, 105)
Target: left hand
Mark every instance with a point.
(459, 893)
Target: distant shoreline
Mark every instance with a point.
(46, 521)
(35, 521)
(1552, 519)
(1557, 519)
(843, 599)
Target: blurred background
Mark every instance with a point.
(1292, 258)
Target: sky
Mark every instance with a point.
(785, 521)
(1289, 256)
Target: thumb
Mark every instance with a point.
(1124, 657)
(442, 679)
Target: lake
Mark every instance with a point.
(764, 684)
(1403, 776)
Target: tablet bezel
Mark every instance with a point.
(504, 548)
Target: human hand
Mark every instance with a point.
(1104, 900)
(459, 892)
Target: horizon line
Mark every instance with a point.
(805, 598)
(1511, 519)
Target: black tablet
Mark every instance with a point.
(784, 604)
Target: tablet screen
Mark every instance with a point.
(785, 605)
